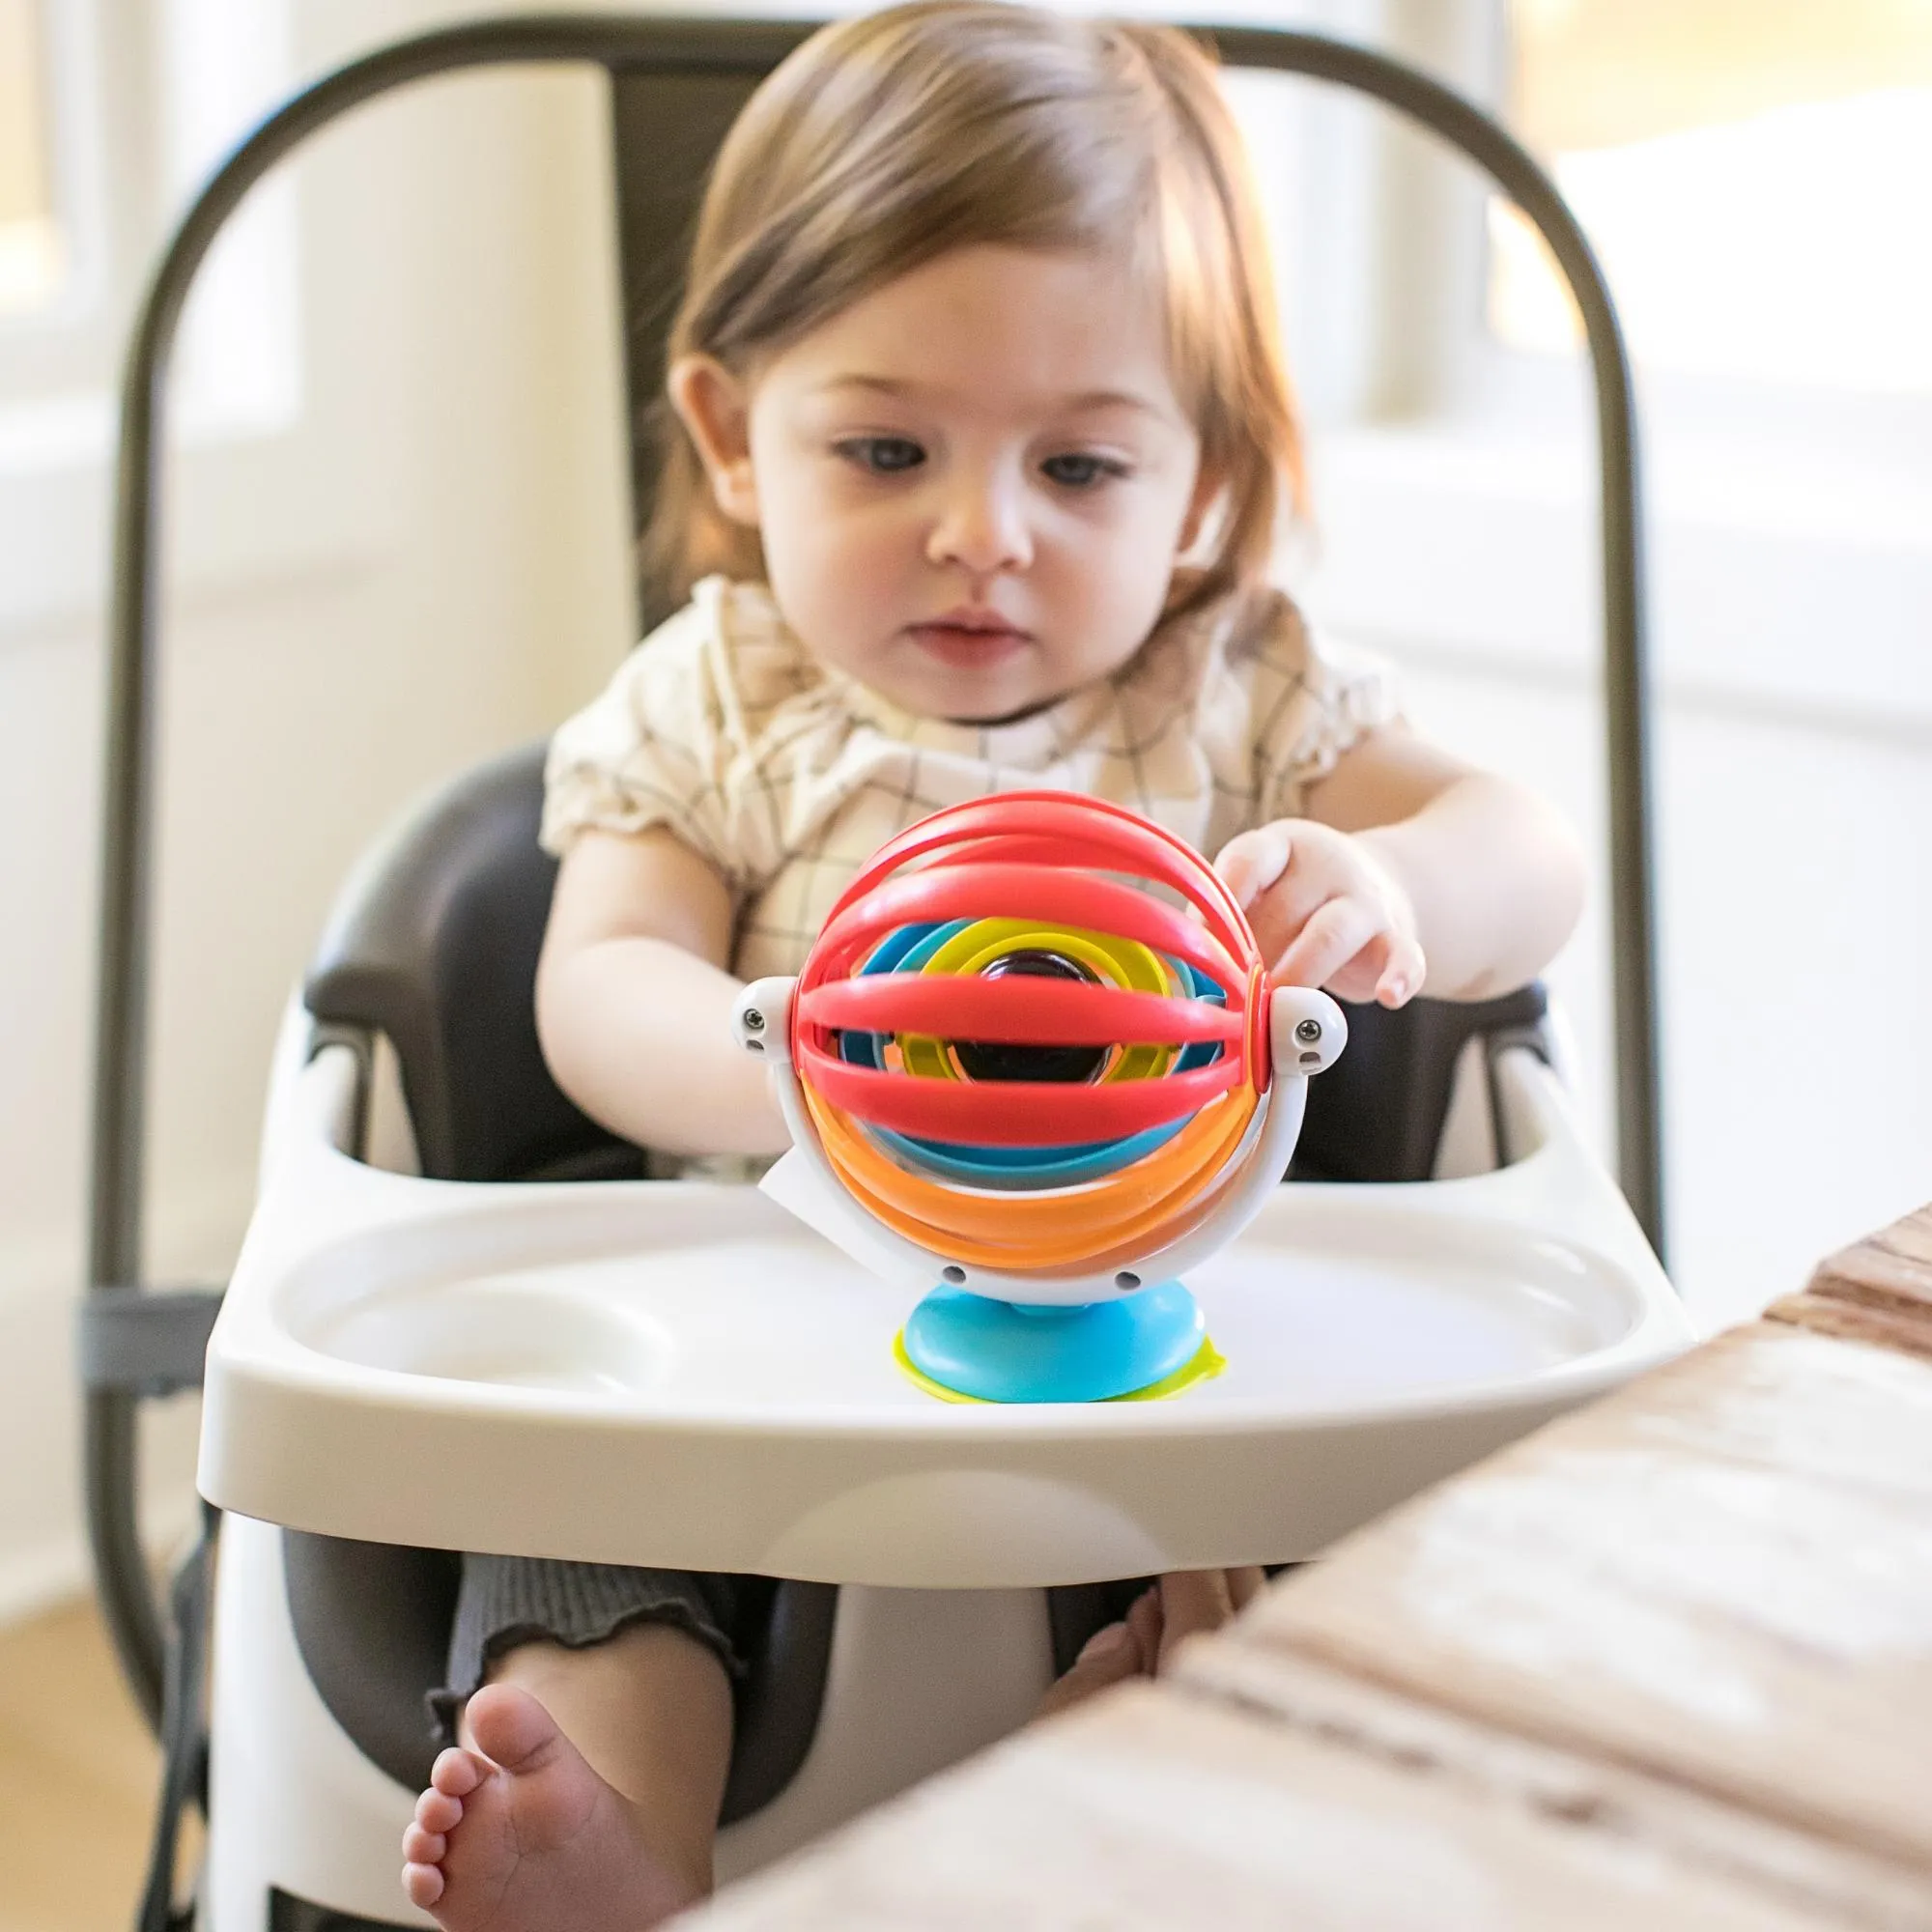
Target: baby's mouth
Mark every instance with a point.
(969, 640)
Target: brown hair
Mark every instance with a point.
(887, 140)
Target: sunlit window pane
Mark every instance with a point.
(1753, 174)
(224, 63)
(32, 252)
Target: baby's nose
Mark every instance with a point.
(983, 527)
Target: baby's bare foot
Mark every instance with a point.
(521, 1835)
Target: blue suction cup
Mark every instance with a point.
(1009, 1352)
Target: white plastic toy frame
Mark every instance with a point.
(762, 1024)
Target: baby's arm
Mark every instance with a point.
(634, 1001)
(1409, 865)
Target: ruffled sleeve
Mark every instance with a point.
(1311, 697)
(669, 740)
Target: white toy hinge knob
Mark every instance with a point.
(1306, 1029)
(761, 1020)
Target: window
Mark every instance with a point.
(1752, 172)
(33, 254)
(223, 63)
(111, 114)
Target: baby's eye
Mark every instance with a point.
(882, 455)
(1079, 470)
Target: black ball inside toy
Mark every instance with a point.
(990, 1059)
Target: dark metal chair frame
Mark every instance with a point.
(137, 1342)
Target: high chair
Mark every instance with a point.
(628, 1371)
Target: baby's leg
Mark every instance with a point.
(585, 1792)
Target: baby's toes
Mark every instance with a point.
(436, 1811)
(423, 1883)
(457, 1772)
(423, 1848)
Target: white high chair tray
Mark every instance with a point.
(681, 1374)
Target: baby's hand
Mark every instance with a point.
(1326, 910)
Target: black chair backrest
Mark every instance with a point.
(1378, 1114)
(433, 942)
(665, 131)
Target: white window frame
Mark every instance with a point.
(57, 347)
(261, 487)
(1455, 444)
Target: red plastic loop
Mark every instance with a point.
(1260, 1019)
(973, 891)
(1055, 825)
(1018, 1012)
(1012, 1113)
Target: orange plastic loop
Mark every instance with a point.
(1138, 1208)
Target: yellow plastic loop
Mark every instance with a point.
(1115, 961)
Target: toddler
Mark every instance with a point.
(981, 447)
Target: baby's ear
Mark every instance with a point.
(716, 410)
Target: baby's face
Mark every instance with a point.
(973, 485)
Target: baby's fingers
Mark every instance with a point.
(1196, 1601)
(1402, 971)
(1331, 938)
(1191, 1602)
(1111, 1655)
(1251, 862)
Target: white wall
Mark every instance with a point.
(459, 583)
(1792, 607)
